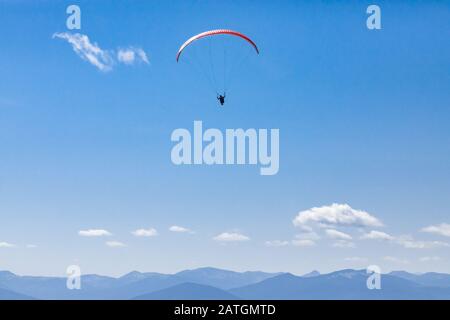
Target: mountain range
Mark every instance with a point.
(217, 284)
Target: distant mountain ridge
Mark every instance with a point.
(224, 279)
(189, 291)
(212, 283)
(11, 295)
(339, 285)
(128, 286)
(313, 273)
(432, 279)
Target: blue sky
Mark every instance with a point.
(363, 118)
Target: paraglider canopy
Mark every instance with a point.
(214, 33)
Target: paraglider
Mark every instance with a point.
(218, 78)
(221, 99)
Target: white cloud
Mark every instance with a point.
(335, 234)
(103, 60)
(377, 235)
(343, 244)
(94, 233)
(429, 259)
(396, 260)
(277, 243)
(180, 229)
(442, 229)
(131, 55)
(6, 245)
(409, 243)
(231, 237)
(303, 243)
(336, 214)
(31, 246)
(115, 244)
(88, 51)
(151, 232)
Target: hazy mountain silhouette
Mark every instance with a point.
(313, 273)
(432, 279)
(212, 283)
(223, 279)
(37, 287)
(11, 295)
(339, 285)
(128, 286)
(149, 282)
(189, 291)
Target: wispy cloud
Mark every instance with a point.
(442, 229)
(396, 260)
(151, 232)
(231, 237)
(336, 215)
(94, 233)
(132, 55)
(102, 59)
(335, 234)
(87, 50)
(343, 244)
(6, 245)
(303, 243)
(276, 243)
(405, 241)
(410, 243)
(377, 235)
(180, 229)
(430, 259)
(115, 244)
